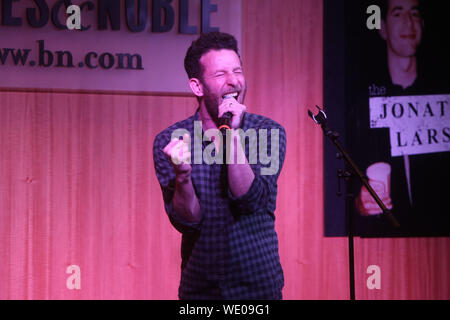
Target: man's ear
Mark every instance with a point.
(196, 87)
(382, 31)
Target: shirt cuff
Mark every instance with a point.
(253, 200)
(181, 224)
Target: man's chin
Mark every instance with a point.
(407, 52)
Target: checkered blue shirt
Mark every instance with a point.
(232, 253)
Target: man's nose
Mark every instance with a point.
(232, 79)
(408, 19)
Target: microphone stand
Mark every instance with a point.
(321, 119)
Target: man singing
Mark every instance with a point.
(225, 210)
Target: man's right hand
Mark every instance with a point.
(185, 201)
(365, 203)
(178, 152)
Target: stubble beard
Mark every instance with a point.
(211, 103)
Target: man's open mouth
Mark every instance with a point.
(234, 94)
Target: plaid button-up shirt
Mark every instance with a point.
(232, 253)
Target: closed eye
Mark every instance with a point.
(416, 14)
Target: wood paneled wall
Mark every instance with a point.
(78, 188)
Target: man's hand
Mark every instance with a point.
(237, 109)
(185, 202)
(366, 205)
(178, 152)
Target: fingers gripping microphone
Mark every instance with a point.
(225, 120)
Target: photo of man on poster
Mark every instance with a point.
(403, 83)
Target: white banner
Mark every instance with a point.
(418, 124)
(136, 46)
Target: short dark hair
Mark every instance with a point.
(205, 43)
(384, 7)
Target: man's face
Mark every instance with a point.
(222, 75)
(403, 27)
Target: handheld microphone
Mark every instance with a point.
(225, 120)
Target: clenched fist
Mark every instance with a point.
(179, 153)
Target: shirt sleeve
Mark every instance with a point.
(261, 196)
(166, 177)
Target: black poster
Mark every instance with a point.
(387, 92)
